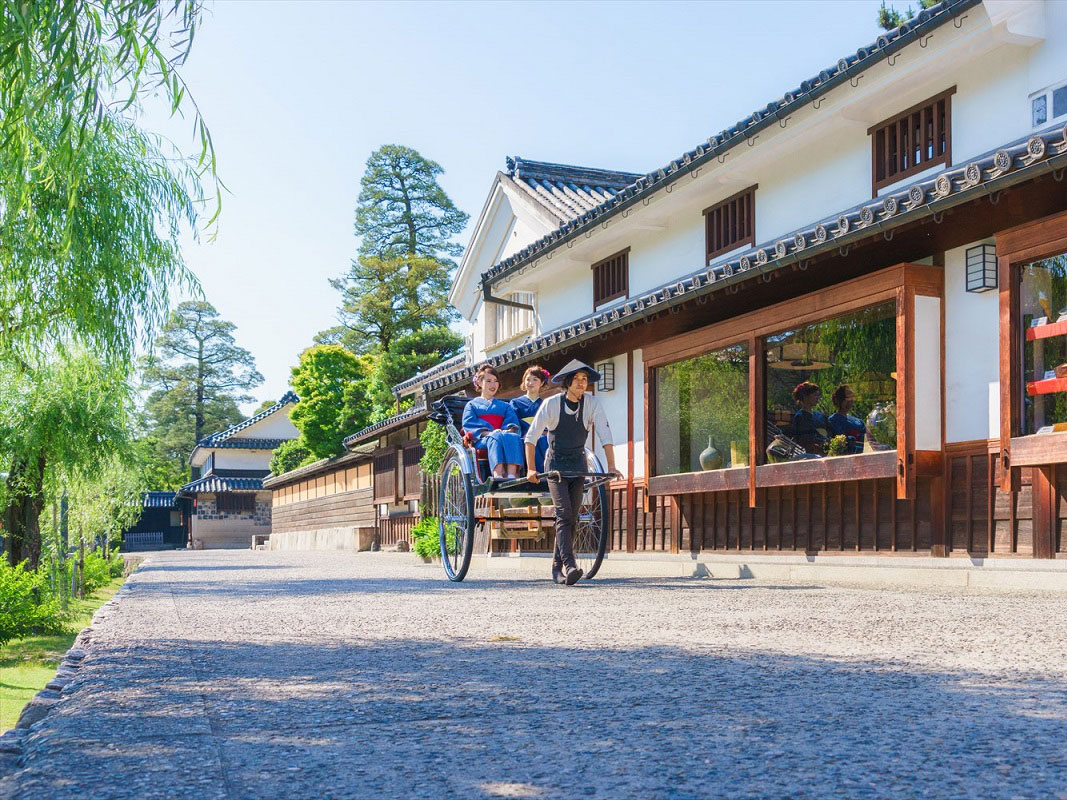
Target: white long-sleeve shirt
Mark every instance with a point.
(593, 416)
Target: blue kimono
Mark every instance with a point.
(525, 409)
(496, 428)
(850, 427)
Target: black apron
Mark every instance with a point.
(566, 444)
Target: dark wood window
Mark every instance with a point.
(412, 453)
(912, 141)
(385, 476)
(611, 278)
(235, 503)
(730, 224)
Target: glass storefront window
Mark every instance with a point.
(702, 412)
(831, 386)
(1043, 295)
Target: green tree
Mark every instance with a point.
(890, 18)
(69, 69)
(71, 415)
(331, 385)
(90, 206)
(384, 299)
(416, 351)
(399, 283)
(290, 455)
(402, 209)
(196, 378)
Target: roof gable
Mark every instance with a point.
(216, 439)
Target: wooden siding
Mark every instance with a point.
(392, 529)
(343, 510)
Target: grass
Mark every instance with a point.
(26, 665)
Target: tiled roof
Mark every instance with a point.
(397, 420)
(846, 68)
(564, 191)
(215, 484)
(426, 374)
(246, 444)
(1015, 163)
(215, 439)
(158, 499)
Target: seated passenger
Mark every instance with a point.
(810, 427)
(841, 423)
(493, 425)
(526, 406)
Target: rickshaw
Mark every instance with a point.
(470, 500)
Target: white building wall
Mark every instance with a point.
(972, 354)
(232, 458)
(276, 426)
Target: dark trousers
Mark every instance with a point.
(567, 499)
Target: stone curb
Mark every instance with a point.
(11, 742)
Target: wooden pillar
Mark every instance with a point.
(1046, 502)
(631, 495)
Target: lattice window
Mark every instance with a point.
(385, 476)
(412, 453)
(235, 503)
(611, 278)
(509, 321)
(912, 141)
(730, 224)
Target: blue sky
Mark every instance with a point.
(298, 94)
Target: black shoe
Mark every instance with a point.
(574, 574)
(557, 573)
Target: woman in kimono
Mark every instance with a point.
(810, 426)
(527, 405)
(492, 424)
(568, 418)
(844, 424)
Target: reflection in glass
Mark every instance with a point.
(1043, 296)
(831, 386)
(702, 412)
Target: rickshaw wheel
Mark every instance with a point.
(455, 519)
(590, 535)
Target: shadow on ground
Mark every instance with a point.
(481, 719)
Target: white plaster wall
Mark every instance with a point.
(227, 458)
(972, 354)
(614, 403)
(927, 373)
(1048, 60)
(276, 426)
(639, 414)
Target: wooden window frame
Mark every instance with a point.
(749, 239)
(901, 284)
(229, 499)
(412, 482)
(945, 158)
(619, 293)
(1023, 244)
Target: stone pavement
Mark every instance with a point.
(241, 674)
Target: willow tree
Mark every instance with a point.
(72, 415)
(90, 206)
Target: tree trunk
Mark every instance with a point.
(81, 563)
(22, 517)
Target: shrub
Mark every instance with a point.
(25, 605)
(425, 540)
(838, 446)
(434, 446)
(99, 571)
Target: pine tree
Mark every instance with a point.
(196, 378)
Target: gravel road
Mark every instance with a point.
(241, 674)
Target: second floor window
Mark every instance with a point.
(507, 322)
(913, 140)
(730, 224)
(611, 278)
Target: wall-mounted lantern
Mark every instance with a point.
(607, 376)
(981, 268)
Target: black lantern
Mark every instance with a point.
(607, 376)
(981, 268)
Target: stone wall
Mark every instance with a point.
(212, 530)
